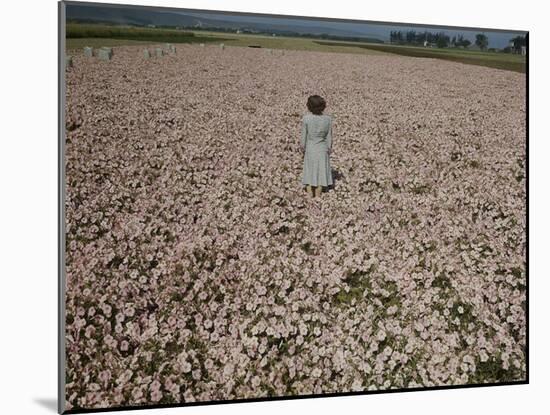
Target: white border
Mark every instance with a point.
(28, 163)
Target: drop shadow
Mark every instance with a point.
(337, 175)
(48, 403)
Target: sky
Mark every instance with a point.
(497, 39)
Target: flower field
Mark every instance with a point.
(198, 270)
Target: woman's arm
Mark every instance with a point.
(304, 133)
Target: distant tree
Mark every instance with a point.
(518, 42)
(482, 41)
(400, 37)
(453, 41)
(460, 41)
(442, 40)
(432, 37)
(410, 36)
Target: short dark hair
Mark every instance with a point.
(316, 104)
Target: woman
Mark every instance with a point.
(316, 143)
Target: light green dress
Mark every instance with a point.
(317, 139)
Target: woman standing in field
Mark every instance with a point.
(316, 144)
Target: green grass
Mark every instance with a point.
(96, 35)
(289, 43)
(79, 44)
(498, 60)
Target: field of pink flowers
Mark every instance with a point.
(198, 270)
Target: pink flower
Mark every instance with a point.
(156, 395)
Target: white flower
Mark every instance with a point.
(186, 367)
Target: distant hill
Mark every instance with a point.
(127, 16)
(141, 17)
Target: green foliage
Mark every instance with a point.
(442, 42)
(518, 42)
(482, 41)
(420, 189)
(79, 31)
(306, 247)
(358, 282)
(493, 371)
(462, 42)
(442, 281)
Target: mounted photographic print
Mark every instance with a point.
(258, 207)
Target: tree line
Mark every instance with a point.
(516, 44)
(442, 40)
